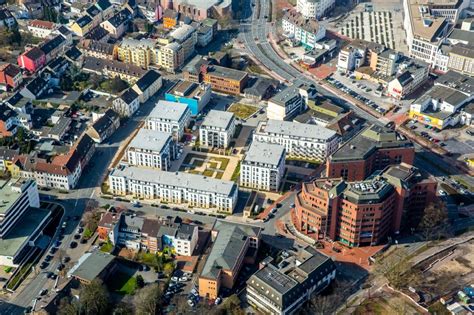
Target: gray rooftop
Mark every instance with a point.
(165, 110)
(227, 247)
(292, 129)
(265, 153)
(178, 179)
(445, 94)
(285, 95)
(90, 265)
(218, 119)
(152, 140)
(367, 141)
(22, 231)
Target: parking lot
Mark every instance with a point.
(360, 92)
(455, 140)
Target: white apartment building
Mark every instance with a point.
(217, 129)
(16, 198)
(126, 104)
(263, 166)
(190, 190)
(170, 117)
(350, 58)
(314, 9)
(304, 141)
(151, 148)
(308, 32)
(183, 238)
(41, 29)
(290, 102)
(21, 221)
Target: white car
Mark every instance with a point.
(218, 301)
(191, 303)
(442, 192)
(175, 279)
(183, 279)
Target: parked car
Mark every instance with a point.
(218, 301)
(73, 245)
(183, 279)
(175, 279)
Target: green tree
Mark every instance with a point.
(168, 268)
(140, 282)
(147, 300)
(94, 298)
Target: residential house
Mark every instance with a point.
(148, 85)
(127, 103)
(105, 126)
(117, 25)
(10, 76)
(40, 28)
(32, 59)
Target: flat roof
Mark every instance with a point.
(7, 196)
(22, 230)
(177, 179)
(265, 153)
(294, 129)
(227, 73)
(148, 139)
(367, 141)
(166, 110)
(90, 265)
(425, 27)
(218, 119)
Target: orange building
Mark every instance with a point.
(374, 148)
(170, 18)
(365, 212)
(107, 223)
(232, 245)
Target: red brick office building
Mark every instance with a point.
(363, 213)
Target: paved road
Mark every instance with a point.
(75, 202)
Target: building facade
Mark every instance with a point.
(170, 117)
(263, 166)
(177, 188)
(151, 148)
(217, 129)
(363, 213)
(315, 9)
(305, 141)
(306, 31)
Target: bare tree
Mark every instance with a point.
(94, 298)
(434, 222)
(147, 300)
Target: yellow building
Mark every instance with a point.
(82, 25)
(137, 52)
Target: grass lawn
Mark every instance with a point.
(242, 111)
(212, 164)
(219, 175)
(107, 247)
(208, 172)
(122, 283)
(224, 162)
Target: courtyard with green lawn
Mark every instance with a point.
(206, 165)
(242, 111)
